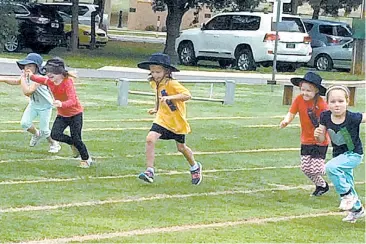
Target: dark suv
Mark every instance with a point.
(40, 28)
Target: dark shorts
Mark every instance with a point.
(167, 134)
(314, 151)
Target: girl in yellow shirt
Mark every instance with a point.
(170, 122)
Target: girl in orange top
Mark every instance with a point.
(309, 105)
(170, 122)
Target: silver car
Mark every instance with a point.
(332, 57)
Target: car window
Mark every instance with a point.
(245, 22)
(308, 26)
(287, 26)
(298, 22)
(82, 10)
(342, 31)
(326, 29)
(219, 23)
(19, 9)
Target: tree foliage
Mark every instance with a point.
(8, 26)
(331, 7)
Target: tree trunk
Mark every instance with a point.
(359, 54)
(294, 5)
(101, 9)
(74, 25)
(173, 21)
(316, 12)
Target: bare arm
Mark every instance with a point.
(319, 133)
(180, 97)
(11, 80)
(287, 120)
(28, 89)
(363, 118)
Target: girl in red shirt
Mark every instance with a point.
(309, 105)
(69, 109)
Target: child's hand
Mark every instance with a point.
(164, 98)
(318, 132)
(28, 72)
(152, 111)
(283, 123)
(57, 103)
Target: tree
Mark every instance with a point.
(331, 7)
(8, 25)
(74, 25)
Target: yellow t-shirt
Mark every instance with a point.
(174, 121)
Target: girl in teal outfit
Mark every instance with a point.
(40, 102)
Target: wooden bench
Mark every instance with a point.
(288, 90)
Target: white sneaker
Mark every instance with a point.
(353, 216)
(347, 202)
(34, 140)
(55, 148)
(86, 163)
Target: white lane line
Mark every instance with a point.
(151, 198)
(181, 228)
(52, 158)
(47, 180)
(151, 119)
(147, 128)
(142, 199)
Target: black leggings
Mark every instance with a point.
(76, 124)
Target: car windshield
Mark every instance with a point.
(286, 26)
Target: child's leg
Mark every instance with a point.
(151, 139)
(340, 170)
(28, 116)
(76, 125)
(314, 169)
(187, 152)
(58, 128)
(44, 124)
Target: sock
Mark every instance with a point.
(194, 167)
(150, 169)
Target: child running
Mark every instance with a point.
(40, 102)
(309, 105)
(69, 109)
(170, 122)
(343, 127)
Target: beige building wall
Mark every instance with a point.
(141, 15)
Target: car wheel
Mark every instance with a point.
(225, 64)
(186, 54)
(324, 63)
(245, 60)
(12, 44)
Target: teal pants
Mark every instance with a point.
(31, 112)
(340, 172)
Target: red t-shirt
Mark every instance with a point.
(65, 92)
(301, 106)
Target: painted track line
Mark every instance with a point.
(151, 119)
(143, 199)
(181, 228)
(147, 128)
(260, 150)
(151, 198)
(56, 180)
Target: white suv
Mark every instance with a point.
(246, 40)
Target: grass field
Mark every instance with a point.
(252, 190)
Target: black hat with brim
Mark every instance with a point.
(312, 78)
(158, 59)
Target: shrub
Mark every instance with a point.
(150, 28)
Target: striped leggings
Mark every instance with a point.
(313, 163)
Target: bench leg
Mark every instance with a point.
(287, 94)
(352, 96)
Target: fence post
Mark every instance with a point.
(123, 86)
(230, 92)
